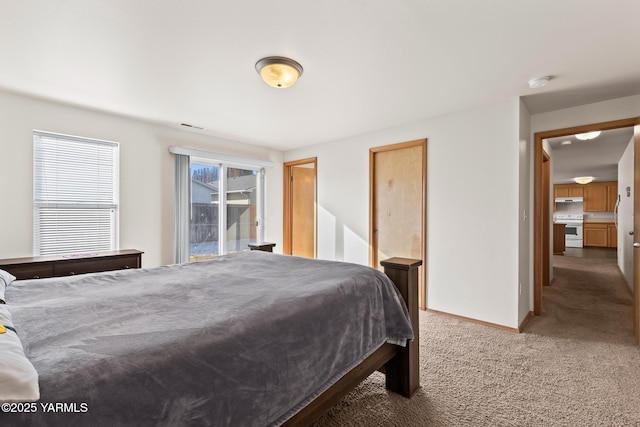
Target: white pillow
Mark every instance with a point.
(18, 377)
(5, 280)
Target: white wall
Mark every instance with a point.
(625, 214)
(615, 109)
(146, 173)
(473, 206)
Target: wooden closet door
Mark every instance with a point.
(398, 205)
(303, 224)
(300, 208)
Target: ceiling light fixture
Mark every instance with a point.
(588, 135)
(583, 179)
(539, 82)
(279, 72)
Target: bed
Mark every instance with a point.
(245, 339)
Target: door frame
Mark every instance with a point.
(287, 228)
(373, 239)
(538, 205)
(636, 230)
(546, 219)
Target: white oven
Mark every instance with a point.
(573, 229)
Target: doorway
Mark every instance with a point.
(397, 205)
(541, 209)
(300, 215)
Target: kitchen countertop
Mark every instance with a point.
(599, 220)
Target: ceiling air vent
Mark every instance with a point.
(191, 126)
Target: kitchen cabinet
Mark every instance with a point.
(596, 199)
(598, 196)
(600, 234)
(568, 190)
(613, 235)
(595, 234)
(559, 239)
(612, 189)
(560, 191)
(576, 191)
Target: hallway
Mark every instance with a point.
(602, 253)
(588, 298)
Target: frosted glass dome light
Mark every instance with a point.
(279, 72)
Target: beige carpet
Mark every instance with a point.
(577, 365)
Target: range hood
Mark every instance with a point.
(569, 199)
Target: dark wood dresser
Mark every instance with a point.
(40, 267)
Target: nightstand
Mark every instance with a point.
(262, 246)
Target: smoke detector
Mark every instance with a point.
(539, 82)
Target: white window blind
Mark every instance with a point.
(75, 194)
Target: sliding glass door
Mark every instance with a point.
(204, 224)
(225, 208)
(242, 203)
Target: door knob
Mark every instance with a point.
(631, 233)
(636, 245)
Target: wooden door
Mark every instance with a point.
(300, 208)
(398, 205)
(303, 224)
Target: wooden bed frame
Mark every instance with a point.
(401, 365)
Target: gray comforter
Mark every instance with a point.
(245, 339)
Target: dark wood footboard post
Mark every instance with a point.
(403, 371)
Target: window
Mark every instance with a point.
(75, 194)
(219, 204)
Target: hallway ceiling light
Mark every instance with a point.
(279, 72)
(583, 179)
(588, 135)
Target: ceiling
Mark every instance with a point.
(595, 157)
(368, 64)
